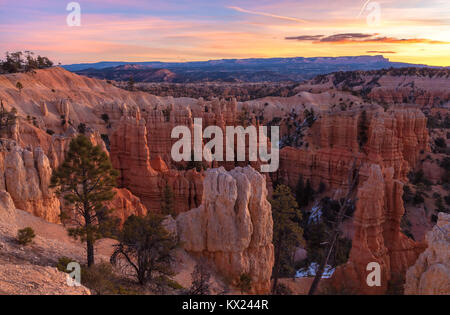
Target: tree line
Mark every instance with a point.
(23, 62)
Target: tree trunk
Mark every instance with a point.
(90, 252)
(321, 269)
(276, 268)
(353, 183)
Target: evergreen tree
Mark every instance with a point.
(147, 247)
(363, 127)
(19, 86)
(130, 84)
(304, 193)
(200, 280)
(86, 180)
(7, 119)
(287, 234)
(300, 191)
(167, 204)
(245, 283)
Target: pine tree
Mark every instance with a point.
(19, 86)
(300, 191)
(287, 234)
(7, 119)
(304, 193)
(245, 283)
(200, 280)
(86, 180)
(146, 247)
(167, 204)
(130, 84)
(363, 129)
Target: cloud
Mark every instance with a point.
(306, 37)
(345, 37)
(354, 38)
(286, 18)
(380, 52)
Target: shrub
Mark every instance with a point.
(105, 118)
(174, 285)
(434, 218)
(407, 194)
(50, 132)
(82, 128)
(282, 289)
(440, 142)
(245, 282)
(418, 198)
(19, 86)
(98, 278)
(25, 236)
(62, 263)
(447, 199)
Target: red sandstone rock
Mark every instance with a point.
(130, 155)
(126, 204)
(379, 209)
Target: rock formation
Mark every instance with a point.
(44, 108)
(233, 226)
(126, 204)
(7, 209)
(395, 139)
(131, 156)
(431, 272)
(379, 209)
(36, 280)
(25, 174)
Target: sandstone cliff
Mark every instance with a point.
(25, 174)
(379, 209)
(233, 226)
(146, 177)
(431, 272)
(125, 204)
(394, 139)
(7, 209)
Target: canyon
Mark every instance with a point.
(222, 208)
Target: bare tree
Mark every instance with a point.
(353, 178)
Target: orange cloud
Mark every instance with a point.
(355, 38)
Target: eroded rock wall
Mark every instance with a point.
(25, 174)
(233, 226)
(377, 238)
(431, 272)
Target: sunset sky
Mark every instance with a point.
(186, 30)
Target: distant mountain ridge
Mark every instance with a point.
(233, 70)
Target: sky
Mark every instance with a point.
(191, 30)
